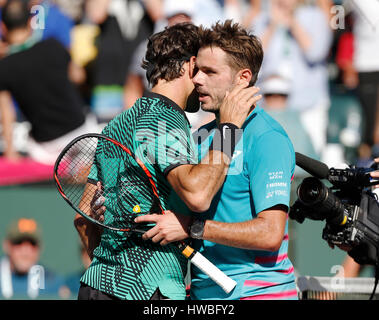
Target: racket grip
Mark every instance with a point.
(225, 282)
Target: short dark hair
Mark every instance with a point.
(168, 50)
(244, 49)
(15, 14)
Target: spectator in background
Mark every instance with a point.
(253, 10)
(50, 22)
(37, 78)
(366, 64)
(345, 55)
(233, 10)
(297, 39)
(57, 24)
(210, 11)
(326, 7)
(276, 89)
(20, 275)
(123, 25)
(72, 8)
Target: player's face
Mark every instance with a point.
(213, 77)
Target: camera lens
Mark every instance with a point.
(311, 191)
(323, 203)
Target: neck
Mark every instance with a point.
(18, 36)
(173, 90)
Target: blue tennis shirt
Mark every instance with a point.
(259, 178)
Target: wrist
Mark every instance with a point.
(196, 229)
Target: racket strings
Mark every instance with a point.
(74, 168)
(125, 187)
(133, 193)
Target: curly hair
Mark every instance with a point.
(244, 50)
(168, 50)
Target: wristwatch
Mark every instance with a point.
(197, 229)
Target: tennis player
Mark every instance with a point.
(157, 130)
(245, 230)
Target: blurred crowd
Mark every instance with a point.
(319, 55)
(76, 64)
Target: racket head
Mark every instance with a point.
(126, 184)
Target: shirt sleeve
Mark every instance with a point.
(270, 169)
(168, 143)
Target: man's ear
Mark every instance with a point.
(192, 66)
(245, 75)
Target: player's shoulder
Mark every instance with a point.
(160, 108)
(260, 123)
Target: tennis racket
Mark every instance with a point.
(127, 188)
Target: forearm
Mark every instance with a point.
(267, 35)
(97, 10)
(350, 269)
(265, 232)
(301, 36)
(197, 184)
(89, 233)
(243, 235)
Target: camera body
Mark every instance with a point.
(350, 209)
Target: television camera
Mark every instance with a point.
(348, 206)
